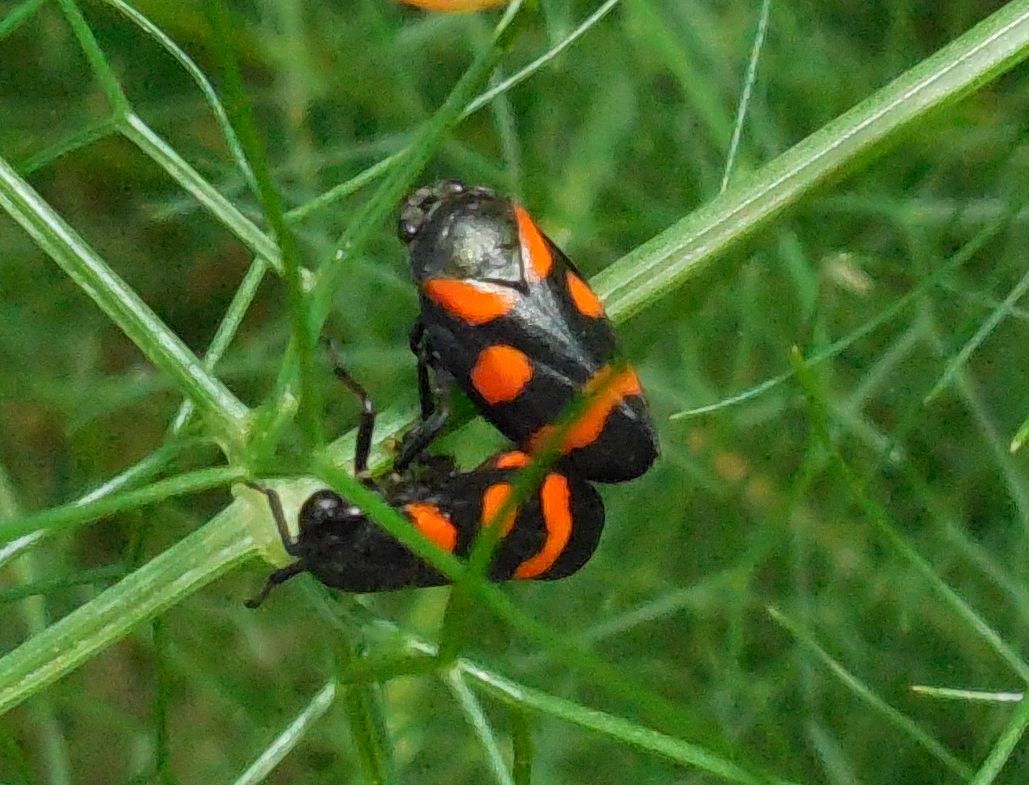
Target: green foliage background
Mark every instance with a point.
(764, 599)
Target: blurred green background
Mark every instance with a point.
(624, 133)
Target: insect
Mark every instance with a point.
(550, 535)
(510, 319)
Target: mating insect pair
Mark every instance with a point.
(507, 317)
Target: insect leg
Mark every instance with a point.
(367, 425)
(275, 503)
(277, 577)
(415, 442)
(435, 411)
(420, 349)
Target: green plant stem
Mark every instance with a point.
(368, 731)
(134, 317)
(178, 572)
(525, 699)
(227, 328)
(138, 473)
(880, 520)
(138, 132)
(79, 513)
(902, 722)
(18, 16)
(271, 202)
(1004, 746)
(522, 746)
(633, 734)
(74, 141)
(36, 615)
(524, 73)
(687, 247)
(27, 587)
(477, 718)
(964, 255)
(159, 151)
(405, 168)
(97, 61)
(191, 68)
(258, 771)
(961, 358)
(380, 168)
(1021, 437)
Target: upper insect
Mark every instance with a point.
(507, 315)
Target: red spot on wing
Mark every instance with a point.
(493, 500)
(555, 503)
(501, 373)
(605, 391)
(584, 298)
(470, 301)
(511, 460)
(534, 246)
(433, 523)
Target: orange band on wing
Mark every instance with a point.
(585, 299)
(433, 523)
(493, 500)
(533, 245)
(470, 301)
(555, 503)
(605, 391)
(501, 373)
(511, 460)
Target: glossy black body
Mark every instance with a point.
(457, 232)
(347, 550)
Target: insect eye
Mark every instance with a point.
(321, 508)
(409, 224)
(419, 204)
(450, 187)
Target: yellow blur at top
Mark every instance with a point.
(455, 6)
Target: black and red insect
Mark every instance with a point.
(507, 315)
(550, 535)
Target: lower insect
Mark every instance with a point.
(550, 534)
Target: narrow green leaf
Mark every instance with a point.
(1021, 436)
(158, 150)
(1006, 744)
(691, 245)
(380, 168)
(879, 518)
(227, 329)
(191, 563)
(900, 306)
(75, 141)
(523, 751)
(950, 693)
(18, 16)
(640, 737)
(135, 318)
(290, 738)
(271, 201)
(97, 60)
(191, 68)
(896, 718)
(973, 343)
(480, 724)
(79, 513)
